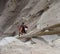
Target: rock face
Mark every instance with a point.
(15, 46)
(50, 17)
(37, 14)
(29, 11)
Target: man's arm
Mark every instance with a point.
(26, 26)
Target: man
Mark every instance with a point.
(22, 28)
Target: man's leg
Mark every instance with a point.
(19, 33)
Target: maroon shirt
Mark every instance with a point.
(22, 28)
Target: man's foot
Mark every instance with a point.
(32, 42)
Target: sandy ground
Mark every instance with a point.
(11, 45)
